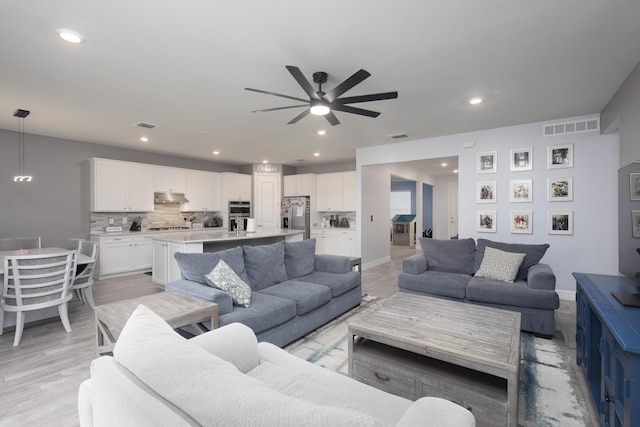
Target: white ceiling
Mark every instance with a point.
(184, 66)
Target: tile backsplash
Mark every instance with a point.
(163, 215)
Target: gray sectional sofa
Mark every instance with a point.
(293, 290)
(448, 268)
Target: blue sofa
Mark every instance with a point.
(293, 290)
(449, 269)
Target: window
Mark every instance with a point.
(400, 203)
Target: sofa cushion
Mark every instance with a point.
(500, 265)
(534, 254)
(299, 257)
(516, 294)
(339, 283)
(452, 256)
(223, 277)
(265, 265)
(195, 266)
(307, 296)
(211, 390)
(266, 311)
(440, 283)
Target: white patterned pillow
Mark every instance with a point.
(223, 277)
(500, 265)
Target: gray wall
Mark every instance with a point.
(55, 205)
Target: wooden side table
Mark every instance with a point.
(176, 308)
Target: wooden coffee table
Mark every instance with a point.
(415, 346)
(176, 308)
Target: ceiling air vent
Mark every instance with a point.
(399, 136)
(146, 125)
(578, 126)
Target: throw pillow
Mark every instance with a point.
(500, 265)
(300, 258)
(450, 256)
(265, 265)
(223, 277)
(534, 254)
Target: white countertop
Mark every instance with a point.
(201, 237)
(145, 232)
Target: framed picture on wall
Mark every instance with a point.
(560, 222)
(486, 192)
(560, 189)
(521, 222)
(487, 162)
(486, 221)
(635, 223)
(521, 190)
(560, 156)
(521, 159)
(634, 185)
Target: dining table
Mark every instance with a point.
(82, 258)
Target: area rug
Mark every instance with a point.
(549, 391)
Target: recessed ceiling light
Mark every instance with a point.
(70, 35)
(444, 165)
(215, 153)
(265, 161)
(316, 154)
(322, 132)
(476, 100)
(144, 139)
(455, 171)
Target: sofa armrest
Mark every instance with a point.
(433, 411)
(85, 411)
(333, 263)
(415, 264)
(540, 276)
(236, 343)
(220, 297)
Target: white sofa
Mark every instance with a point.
(225, 378)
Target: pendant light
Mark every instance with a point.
(21, 115)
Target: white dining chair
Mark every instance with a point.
(35, 282)
(9, 243)
(82, 285)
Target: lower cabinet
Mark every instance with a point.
(165, 267)
(335, 241)
(124, 255)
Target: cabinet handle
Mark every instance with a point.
(608, 398)
(382, 377)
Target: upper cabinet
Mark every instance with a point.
(300, 185)
(173, 180)
(203, 192)
(336, 192)
(235, 186)
(118, 186)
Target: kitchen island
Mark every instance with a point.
(165, 268)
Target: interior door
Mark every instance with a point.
(267, 201)
(453, 209)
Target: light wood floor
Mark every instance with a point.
(39, 379)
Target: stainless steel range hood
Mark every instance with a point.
(170, 198)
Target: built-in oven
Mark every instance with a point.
(239, 213)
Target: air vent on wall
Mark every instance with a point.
(146, 125)
(399, 136)
(578, 126)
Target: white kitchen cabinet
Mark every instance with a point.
(336, 192)
(235, 186)
(173, 180)
(300, 185)
(165, 267)
(124, 255)
(203, 192)
(335, 241)
(120, 186)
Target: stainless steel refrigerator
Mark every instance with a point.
(297, 214)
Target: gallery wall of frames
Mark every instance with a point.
(559, 188)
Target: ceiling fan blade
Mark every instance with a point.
(277, 94)
(366, 98)
(331, 118)
(279, 108)
(356, 78)
(297, 118)
(303, 82)
(354, 110)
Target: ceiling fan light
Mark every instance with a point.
(319, 109)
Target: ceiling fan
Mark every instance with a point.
(325, 103)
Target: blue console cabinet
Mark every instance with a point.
(608, 347)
